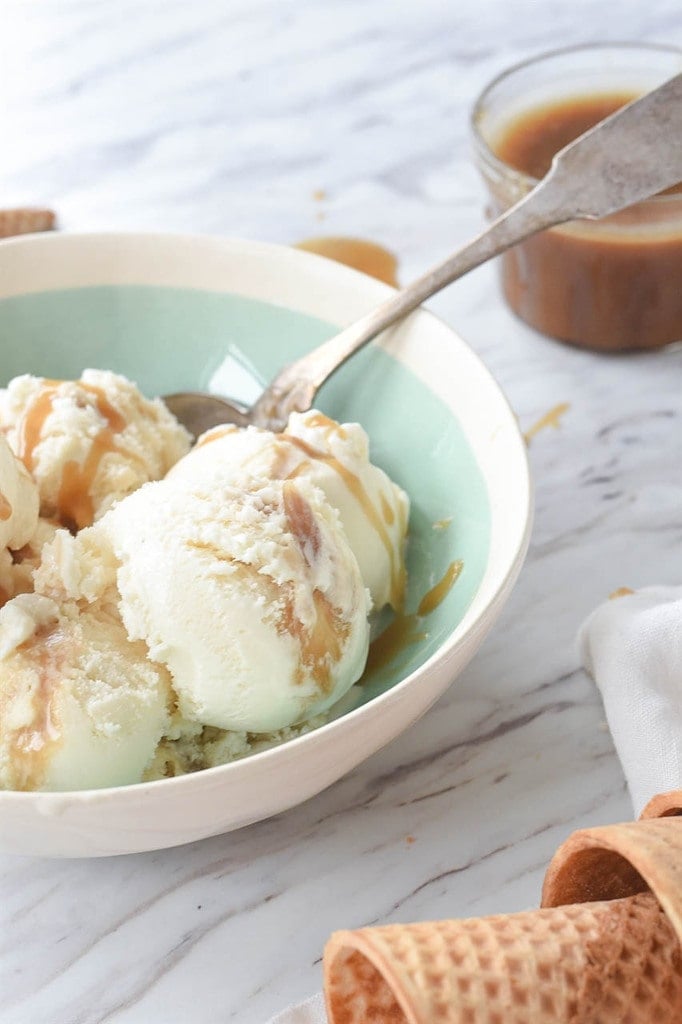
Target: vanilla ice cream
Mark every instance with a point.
(81, 707)
(335, 457)
(88, 443)
(249, 595)
(201, 606)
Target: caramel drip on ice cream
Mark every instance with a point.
(388, 513)
(5, 508)
(321, 647)
(76, 507)
(32, 424)
(32, 743)
(75, 504)
(216, 434)
(352, 482)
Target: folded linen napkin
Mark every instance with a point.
(632, 647)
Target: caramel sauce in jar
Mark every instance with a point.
(612, 285)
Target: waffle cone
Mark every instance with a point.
(602, 963)
(619, 860)
(665, 805)
(25, 221)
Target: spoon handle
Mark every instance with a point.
(628, 157)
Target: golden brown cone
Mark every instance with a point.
(25, 221)
(597, 963)
(619, 860)
(664, 805)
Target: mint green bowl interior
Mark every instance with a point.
(171, 339)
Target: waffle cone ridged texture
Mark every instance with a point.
(611, 956)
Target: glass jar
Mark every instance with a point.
(613, 284)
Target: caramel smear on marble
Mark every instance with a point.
(620, 592)
(406, 628)
(358, 253)
(550, 419)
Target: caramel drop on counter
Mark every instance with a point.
(550, 419)
(358, 253)
(620, 592)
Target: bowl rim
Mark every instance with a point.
(54, 801)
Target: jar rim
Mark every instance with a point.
(528, 181)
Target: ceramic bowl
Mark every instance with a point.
(178, 313)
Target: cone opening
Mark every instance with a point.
(590, 875)
(357, 992)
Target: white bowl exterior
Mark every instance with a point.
(174, 811)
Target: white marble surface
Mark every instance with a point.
(225, 116)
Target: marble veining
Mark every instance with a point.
(274, 120)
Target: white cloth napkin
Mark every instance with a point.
(632, 647)
(312, 1011)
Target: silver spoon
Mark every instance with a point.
(628, 157)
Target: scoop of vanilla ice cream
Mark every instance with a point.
(249, 594)
(335, 457)
(81, 706)
(88, 442)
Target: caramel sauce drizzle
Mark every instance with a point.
(75, 505)
(352, 482)
(440, 591)
(320, 647)
(229, 428)
(407, 628)
(32, 742)
(5, 508)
